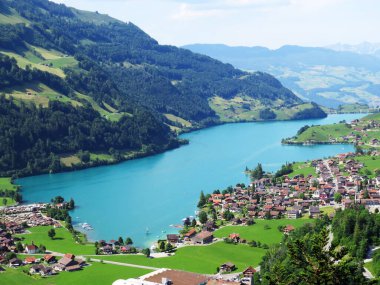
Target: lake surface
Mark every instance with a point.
(158, 191)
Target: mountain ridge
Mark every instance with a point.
(318, 74)
(52, 53)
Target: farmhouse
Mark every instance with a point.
(31, 249)
(172, 238)
(203, 237)
(249, 272)
(227, 267)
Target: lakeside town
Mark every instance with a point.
(302, 191)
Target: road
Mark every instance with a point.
(335, 180)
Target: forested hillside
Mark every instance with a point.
(55, 54)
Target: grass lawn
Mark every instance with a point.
(371, 163)
(327, 210)
(258, 232)
(101, 156)
(323, 133)
(303, 168)
(63, 241)
(6, 184)
(29, 60)
(179, 120)
(375, 116)
(94, 274)
(200, 259)
(41, 94)
(9, 201)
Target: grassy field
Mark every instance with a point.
(245, 108)
(46, 60)
(41, 94)
(101, 156)
(110, 114)
(371, 163)
(6, 184)
(69, 161)
(323, 133)
(200, 259)
(9, 201)
(63, 241)
(12, 18)
(327, 210)
(30, 59)
(258, 231)
(179, 120)
(95, 274)
(375, 116)
(304, 168)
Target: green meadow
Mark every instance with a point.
(63, 242)
(264, 231)
(201, 259)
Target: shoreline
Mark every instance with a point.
(181, 142)
(316, 143)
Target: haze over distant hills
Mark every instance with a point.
(322, 75)
(362, 48)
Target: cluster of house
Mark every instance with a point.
(300, 195)
(114, 247)
(29, 215)
(24, 208)
(49, 264)
(31, 219)
(360, 134)
(193, 237)
(176, 277)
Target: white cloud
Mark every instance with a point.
(187, 11)
(270, 23)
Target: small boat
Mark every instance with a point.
(87, 226)
(147, 231)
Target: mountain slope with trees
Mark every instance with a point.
(51, 53)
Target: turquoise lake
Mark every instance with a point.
(158, 191)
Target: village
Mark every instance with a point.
(362, 133)
(337, 183)
(17, 220)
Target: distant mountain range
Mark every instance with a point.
(322, 75)
(362, 48)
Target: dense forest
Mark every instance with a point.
(33, 138)
(357, 229)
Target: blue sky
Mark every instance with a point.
(270, 23)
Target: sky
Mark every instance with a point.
(270, 23)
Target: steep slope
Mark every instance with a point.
(164, 79)
(322, 75)
(52, 55)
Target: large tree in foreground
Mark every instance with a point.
(311, 260)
